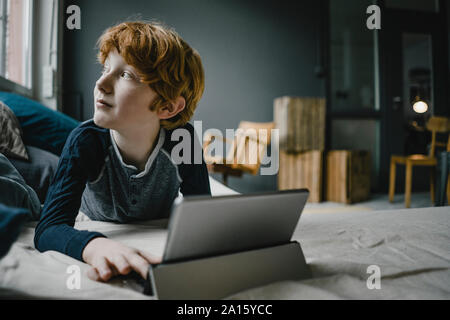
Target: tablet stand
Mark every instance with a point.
(221, 276)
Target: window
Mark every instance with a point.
(353, 57)
(15, 41)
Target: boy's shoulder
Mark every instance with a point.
(180, 138)
(90, 124)
(87, 134)
(174, 136)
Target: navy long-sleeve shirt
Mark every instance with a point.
(92, 176)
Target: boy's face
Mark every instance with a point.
(121, 101)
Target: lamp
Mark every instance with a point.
(419, 105)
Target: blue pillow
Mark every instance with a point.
(11, 221)
(38, 171)
(42, 127)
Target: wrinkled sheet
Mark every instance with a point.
(411, 247)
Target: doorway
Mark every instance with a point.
(376, 76)
(414, 81)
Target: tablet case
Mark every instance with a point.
(221, 276)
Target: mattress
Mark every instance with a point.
(407, 250)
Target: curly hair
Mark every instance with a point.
(163, 60)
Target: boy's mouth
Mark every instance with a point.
(102, 103)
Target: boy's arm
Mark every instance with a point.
(195, 176)
(81, 157)
(195, 179)
(80, 162)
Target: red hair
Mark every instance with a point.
(164, 61)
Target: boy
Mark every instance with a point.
(117, 166)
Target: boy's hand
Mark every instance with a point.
(109, 258)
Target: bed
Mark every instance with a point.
(410, 248)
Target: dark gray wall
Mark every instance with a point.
(252, 51)
(448, 36)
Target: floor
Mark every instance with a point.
(376, 202)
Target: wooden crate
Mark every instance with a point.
(302, 170)
(301, 123)
(347, 176)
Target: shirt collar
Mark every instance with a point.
(151, 158)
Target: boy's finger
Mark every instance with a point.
(139, 264)
(153, 259)
(103, 269)
(121, 265)
(93, 274)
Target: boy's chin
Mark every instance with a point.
(100, 121)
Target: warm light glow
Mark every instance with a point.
(420, 106)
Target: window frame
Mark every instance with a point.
(6, 84)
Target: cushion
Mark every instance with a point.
(38, 172)
(11, 220)
(14, 192)
(11, 143)
(42, 127)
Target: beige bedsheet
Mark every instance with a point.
(411, 248)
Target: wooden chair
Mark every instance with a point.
(435, 125)
(443, 177)
(245, 150)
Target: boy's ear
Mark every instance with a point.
(171, 109)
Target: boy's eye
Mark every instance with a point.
(127, 75)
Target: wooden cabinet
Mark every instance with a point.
(302, 170)
(347, 176)
(301, 121)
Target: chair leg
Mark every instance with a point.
(448, 191)
(445, 172)
(408, 182)
(392, 181)
(442, 181)
(225, 178)
(432, 192)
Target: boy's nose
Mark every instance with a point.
(104, 84)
